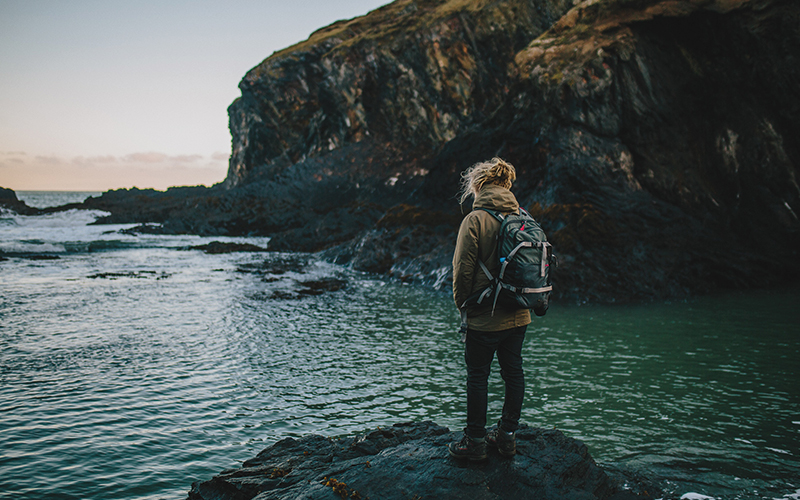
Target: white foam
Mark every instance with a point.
(695, 496)
(782, 452)
(30, 247)
(51, 233)
(69, 218)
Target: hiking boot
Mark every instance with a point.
(506, 442)
(468, 448)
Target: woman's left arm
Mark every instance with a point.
(465, 259)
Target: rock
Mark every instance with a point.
(659, 142)
(7, 195)
(320, 286)
(9, 200)
(216, 247)
(131, 274)
(144, 229)
(411, 461)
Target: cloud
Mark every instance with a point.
(103, 172)
(14, 158)
(50, 160)
(218, 156)
(155, 157)
(185, 158)
(93, 160)
(150, 157)
(102, 159)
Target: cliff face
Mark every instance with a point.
(390, 87)
(671, 128)
(655, 140)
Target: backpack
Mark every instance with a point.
(525, 256)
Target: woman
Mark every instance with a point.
(488, 331)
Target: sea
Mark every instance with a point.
(133, 365)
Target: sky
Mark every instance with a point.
(108, 94)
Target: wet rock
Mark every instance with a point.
(9, 200)
(278, 264)
(411, 461)
(291, 289)
(131, 274)
(41, 257)
(217, 247)
(320, 286)
(144, 229)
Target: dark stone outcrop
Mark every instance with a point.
(142, 274)
(411, 461)
(216, 247)
(655, 140)
(9, 200)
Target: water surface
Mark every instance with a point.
(131, 367)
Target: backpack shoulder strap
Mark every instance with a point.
(500, 218)
(486, 270)
(497, 215)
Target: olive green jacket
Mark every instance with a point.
(477, 239)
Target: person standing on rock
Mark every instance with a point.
(487, 331)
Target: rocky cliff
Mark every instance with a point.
(656, 140)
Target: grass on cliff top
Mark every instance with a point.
(609, 14)
(600, 24)
(399, 16)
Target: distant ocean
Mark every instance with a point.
(132, 366)
(44, 199)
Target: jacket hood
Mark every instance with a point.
(497, 198)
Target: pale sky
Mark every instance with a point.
(104, 94)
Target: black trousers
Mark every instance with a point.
(478, 353)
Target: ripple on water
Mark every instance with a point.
(134, 387)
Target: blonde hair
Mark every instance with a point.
(495, 171)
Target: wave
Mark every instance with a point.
(29, 247)
(68, 218)
(72, 232)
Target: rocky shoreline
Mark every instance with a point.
(410, 461)
(653, 140)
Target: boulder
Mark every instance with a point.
(411, 461)
(9, 200)
(217, 247)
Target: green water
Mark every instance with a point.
(130, 368)
(702, 394)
